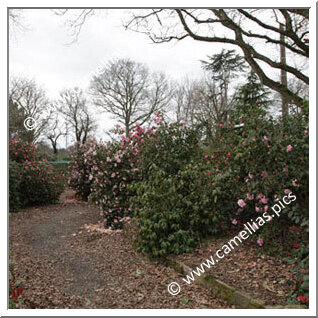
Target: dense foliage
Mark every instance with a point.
(32, 181)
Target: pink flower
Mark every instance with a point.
(286, 191)
(260, 242)
(229, 123)
(206, 156)
(250, 175)
(260, 196)
(295, 184)
(266, 207)
(264, 174)
(257, 209)
(234, 221)
(265, 138)
(26, 168)
(37, 168)
(264, 200)
(127, 139)
(241, 203)
(306, 132)
(289, 148)
(229, 154)
(221, 125)
(250, 196)
(184, 124)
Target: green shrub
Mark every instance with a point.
(15, 173)
(39, 184)
(32, 181)
(169, 148)
(81, 165)
(174, 213)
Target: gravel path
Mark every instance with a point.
(62, 265)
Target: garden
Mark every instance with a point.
(174, 194)
(137, 188)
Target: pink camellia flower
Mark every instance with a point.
(37, 168)
(306, 132)
(250, 175)
(26, 168)
(289, 148)
(206, 156)
(286, 191)
(229, 154)
(184, 124)
(270, 218)
(212, 156)
(295, 184)
(127, 139)
(264, 174)
(241, 203)
(257, 209)
(234, 221)
(264, 200)
(260, 196)
(260, 242)
(265, 138)
(266, 207)
(229, 123)
(221, 125)
(250, 196)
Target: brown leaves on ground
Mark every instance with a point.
(245, 268)
(62, 265)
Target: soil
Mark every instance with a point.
(62, 265)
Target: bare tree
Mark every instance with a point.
(255, 32)
(74, 19)
(17, 22)
(130, 92)
(32, 101)
(73, 105)
(200, 102)
(54, 132)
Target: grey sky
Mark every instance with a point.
(41, 53)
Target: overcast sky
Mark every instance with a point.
(41, 52)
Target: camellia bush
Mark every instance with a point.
(82, 162)
(32, 181)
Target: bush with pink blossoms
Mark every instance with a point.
(32, 181)
(82, 162)
(269, 160)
